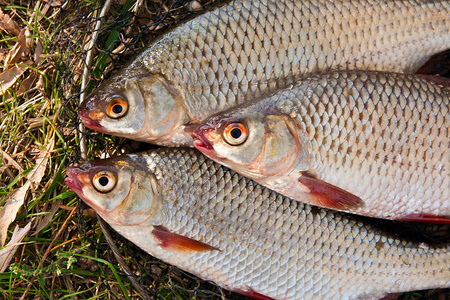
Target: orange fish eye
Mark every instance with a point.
(235, 134)
(104, 181)
(117, 107)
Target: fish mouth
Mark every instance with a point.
(88, 121)
(200, 140)
(72, 180)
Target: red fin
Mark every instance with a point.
(252, 294)
(328, 195)
(426, 218)
(173, 241)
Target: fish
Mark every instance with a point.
(245, 49)
(369, 143)
(206, 219)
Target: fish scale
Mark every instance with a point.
(245, 49)
(268, 244)
(390, 106)
(359, 131)
(382, 137)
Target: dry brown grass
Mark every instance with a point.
(65, 255)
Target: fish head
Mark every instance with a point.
(121, 190)
(143, 107)
(256, 140)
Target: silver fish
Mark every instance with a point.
(370, 143)
(187, 210)
(248, 48)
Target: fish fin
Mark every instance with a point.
(391, 296)
(173, 241)
(249, 292)
(426, 218)
(329, 196)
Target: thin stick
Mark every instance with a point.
(119, 258)
(87, 66)
(74, 239)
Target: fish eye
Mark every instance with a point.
(235, 134)
(104, 181)
(117, 107)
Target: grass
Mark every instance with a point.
(65, 254)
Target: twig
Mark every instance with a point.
(74, 239)
(63, 227)
(136, 6)
(119, 258)
(87, 66)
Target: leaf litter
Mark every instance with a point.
(10, 76)
(7, 253)
(20, 48)
(15, 199)
(13, 68)
(8, 24)
(11, 161)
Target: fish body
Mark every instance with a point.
(245, 49)
(189, 211)
(371, 143)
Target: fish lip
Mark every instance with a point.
(88, 121)
(200, 141)
(72, 180)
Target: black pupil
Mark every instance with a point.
(117, 109)
(103, 180)
(236, 133)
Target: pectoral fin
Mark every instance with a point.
(426, 218)
(175, 242)
(329, 196)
